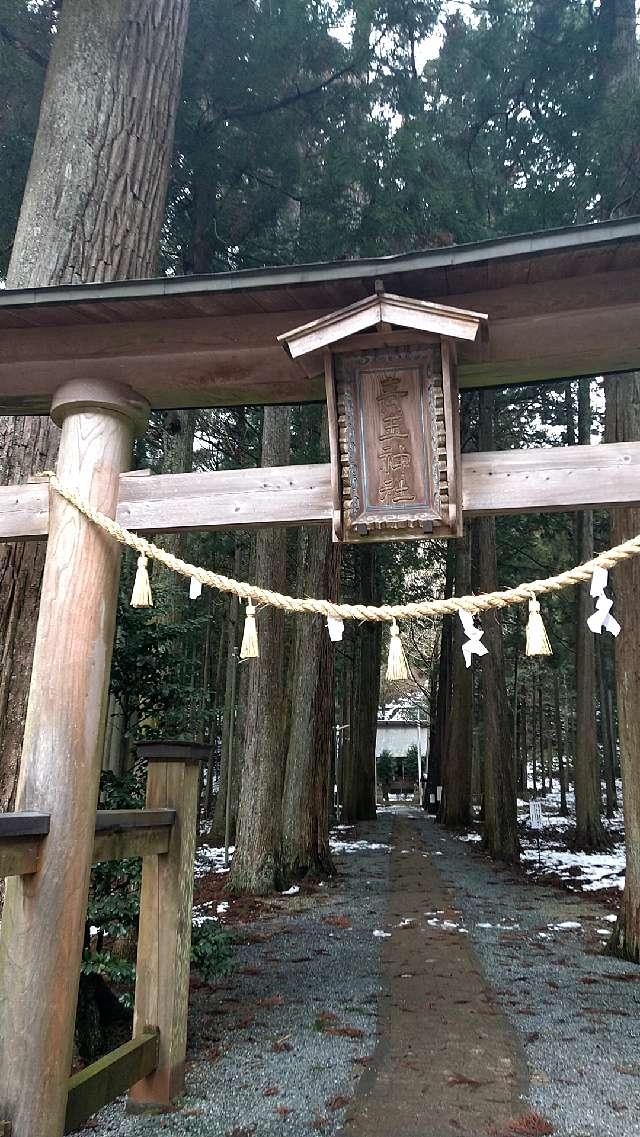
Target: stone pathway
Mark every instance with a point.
(424, 993)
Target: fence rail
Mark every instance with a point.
(119, 833)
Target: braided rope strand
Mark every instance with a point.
(369, 612)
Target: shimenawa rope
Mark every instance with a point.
(389, 612)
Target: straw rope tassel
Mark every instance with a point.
(537, 638)
(250, 649)
(397, 664)
(416, 610)
(141, 596)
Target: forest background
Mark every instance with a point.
(328, 130)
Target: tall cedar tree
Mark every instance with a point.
(305, 802)
(256, 864)
(91, 211)
(590, 834)
(621, 77)
(500, 803)
(455, 810)
(358, 768)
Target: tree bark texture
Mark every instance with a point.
(623, 425)
(500, 801)
(455, 808)
(216, 834)
(619, 65)
(590, 833)
(305, 803)
(256, 863)
(606, 736)
(93, 209)
(359, 777)
(440, 720)
(562, 765)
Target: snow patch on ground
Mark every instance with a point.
(447, 926)
(210, 858)
(589, 871)
(338, 846)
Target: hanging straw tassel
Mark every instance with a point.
(537, 638)
(141, 596)
(250, 649)
(397, 664)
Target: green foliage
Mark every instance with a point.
(111, 967)
(114, 906)
(386, 767)
(211, 949)
(411, 762)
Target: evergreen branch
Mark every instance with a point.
(352, 66)
(7, 36)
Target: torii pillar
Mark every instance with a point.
(44, 914)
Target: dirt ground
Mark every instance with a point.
(422, 992)
(447, 1057)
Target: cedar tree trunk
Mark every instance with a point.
(623, 425)
(455, 809)
(305, 803)
(590, 834)
(359, 777)
(256, 863)
(500, 802)
(93, 209)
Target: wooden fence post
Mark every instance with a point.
(44, 913)
(164, 935)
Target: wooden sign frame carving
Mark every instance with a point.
(394, 471)
(392, 403)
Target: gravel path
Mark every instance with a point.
(576, 1011)
(274, 1047)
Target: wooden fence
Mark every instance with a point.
(151, 1064)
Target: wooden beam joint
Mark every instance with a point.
(105, 1080)
(120, 833)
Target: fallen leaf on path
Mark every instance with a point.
(337, 1102)
(345, 1031)
(462, 1080)
(325, 1018)
(270, 1001)
(527, 1125)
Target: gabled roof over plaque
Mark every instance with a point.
(382, 308)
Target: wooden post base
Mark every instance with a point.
(164, 936)
(44, 913)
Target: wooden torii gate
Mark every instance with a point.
(96, 358)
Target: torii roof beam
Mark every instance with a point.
(560, 303)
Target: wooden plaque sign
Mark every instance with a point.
(391, 432)
(392, 403)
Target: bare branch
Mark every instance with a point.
(7, 36)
